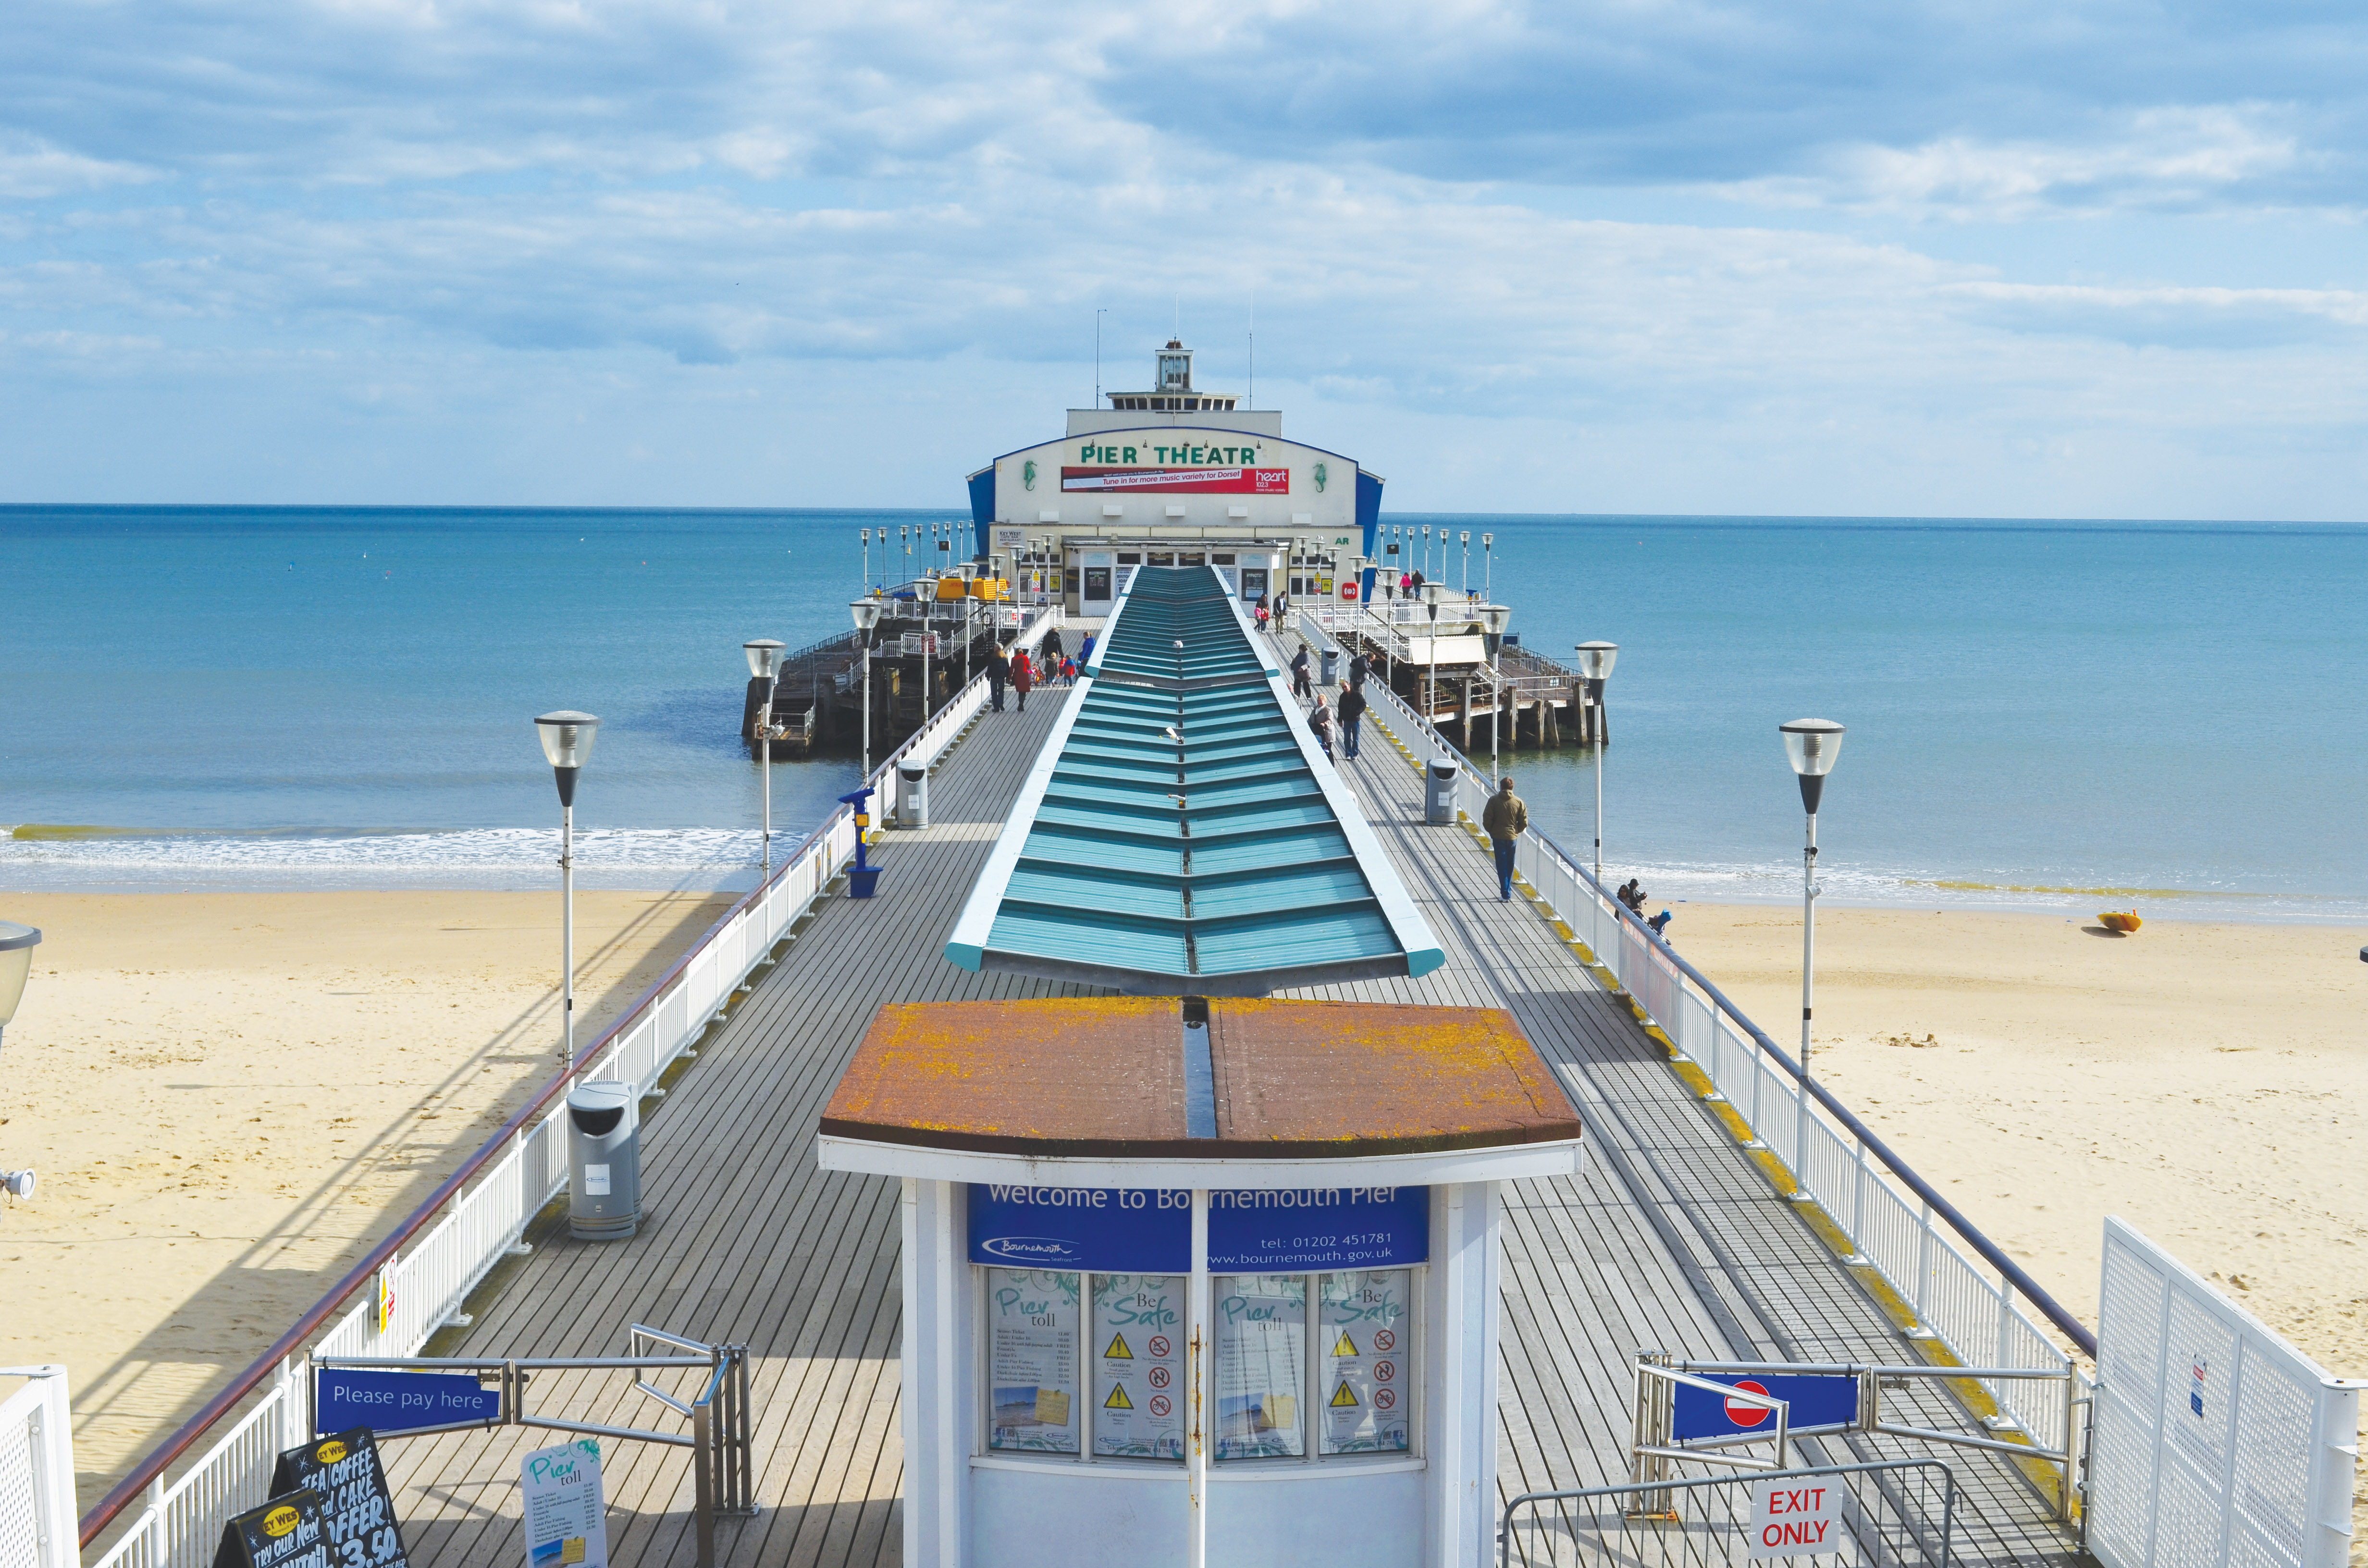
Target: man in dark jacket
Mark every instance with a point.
(1359, 668)
(1352, 711)
(998, 670)
(1505, 818)
(1301, 685)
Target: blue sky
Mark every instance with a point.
(2071, 259)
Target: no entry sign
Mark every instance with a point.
(1816, 1400)
(1794, 1518)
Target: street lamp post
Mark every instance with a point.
(1811, 745)
(764, 664)
(1463, 542)
(867, 554)
(1488, 566)
(1493, 618)
(866, 612)
(566, 738)
(16, 945)
(1595, 662)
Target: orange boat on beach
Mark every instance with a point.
(2124, 921)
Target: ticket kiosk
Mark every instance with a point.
(1193, 1283)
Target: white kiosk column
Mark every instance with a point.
(1461, 1377)
(939, 1375)
(1202, 1350)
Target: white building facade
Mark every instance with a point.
(1173, 476)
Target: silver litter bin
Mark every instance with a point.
(1439, 794)
(912, 794)
(1328, 666)
(604, 1161)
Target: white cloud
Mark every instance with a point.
(32, 168)
(2171, 157)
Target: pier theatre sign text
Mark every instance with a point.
(1206, 469)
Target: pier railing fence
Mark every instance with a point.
(37, 1482)
(1889, 1514)
(415, 1282)
(1898, 1227)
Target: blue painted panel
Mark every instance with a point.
(1325, 1227)
(1106, 1229)
(1814, 1401)
(1369, 510)
(982, 506)
(344, 1397)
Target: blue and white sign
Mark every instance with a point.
(1293, 1230)
(1107, 1229)
(1816, 1400)
(344, 1397)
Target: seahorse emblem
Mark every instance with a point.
(1027, 474)
(1320, 477)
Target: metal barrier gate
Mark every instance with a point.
(717, 1412)
(1895, 1514)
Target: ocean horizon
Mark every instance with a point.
(2042, 715)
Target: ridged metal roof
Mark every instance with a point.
(1181, 833)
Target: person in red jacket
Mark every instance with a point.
(1023, 676)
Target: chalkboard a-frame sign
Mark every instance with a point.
(358, 1519)
(284, 1533)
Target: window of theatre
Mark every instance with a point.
(1314, 1325)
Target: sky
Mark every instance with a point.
(2082, 258)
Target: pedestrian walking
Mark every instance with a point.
(1052, 645)
(1359, 668)
(1068, 672)
(998, 670)
(1353, 712)
(1405, 586)
(1261, 612)
(1319, 722)
(1505, 818)
(1085, 652)
(1301, 685)
(1023, 676)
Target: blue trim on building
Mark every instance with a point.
(982, 507)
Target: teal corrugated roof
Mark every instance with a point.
(1182, 836)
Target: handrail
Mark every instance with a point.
(185, 1436)
(2056, 1313)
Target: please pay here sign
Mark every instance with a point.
(1794, 1518)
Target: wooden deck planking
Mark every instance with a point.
(802, 1264)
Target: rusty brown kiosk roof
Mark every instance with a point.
(1110, 1079)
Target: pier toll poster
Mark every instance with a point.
(566, 1521)
(356, 1513)
(284, 1533)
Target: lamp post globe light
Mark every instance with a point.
(1812, 745)
(866, 612)
(765, 665)
(1595, 662)
(16, 945)
(566, 738)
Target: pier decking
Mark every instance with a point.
(1670, 1240)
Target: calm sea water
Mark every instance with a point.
(323, 697)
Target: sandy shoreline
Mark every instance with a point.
(228, 1096)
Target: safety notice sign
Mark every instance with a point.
(1794, 1518)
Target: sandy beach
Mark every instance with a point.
(2207, 1082)
(228, 1096)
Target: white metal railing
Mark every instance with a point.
(179, 1522)
(1972, 1311)
(37, 1474)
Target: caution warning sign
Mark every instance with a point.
(1344, 1346)
(1118, 1400)
(1118, 1350)
(1344, 1397)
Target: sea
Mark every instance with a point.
(2041, 715)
